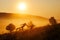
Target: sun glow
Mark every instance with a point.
(22, 6)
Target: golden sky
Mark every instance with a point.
(45, 8)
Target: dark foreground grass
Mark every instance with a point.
(48, 32)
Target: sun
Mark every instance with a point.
(22, 6)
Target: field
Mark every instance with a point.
(37, 29)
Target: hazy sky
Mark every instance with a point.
(45, 8)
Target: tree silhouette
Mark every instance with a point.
(21, 28)
(10, 27)
(23, 25)
(30, 25)
(52, 21)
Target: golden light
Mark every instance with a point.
(22, 6)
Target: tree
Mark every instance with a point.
(10, 27)
(23, 25)
(52, 21)
(30, 25)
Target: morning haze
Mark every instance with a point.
(29, 19)
(45, 8)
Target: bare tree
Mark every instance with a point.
(10, 27)
(23, 25)
(30, 25)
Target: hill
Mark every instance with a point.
(16, 15)
(48, 32)
(17, 19)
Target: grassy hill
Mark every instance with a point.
(48, 32)
(17, 19)
(42, 30)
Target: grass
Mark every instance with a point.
(48, 32)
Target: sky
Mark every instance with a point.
(44, 8)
